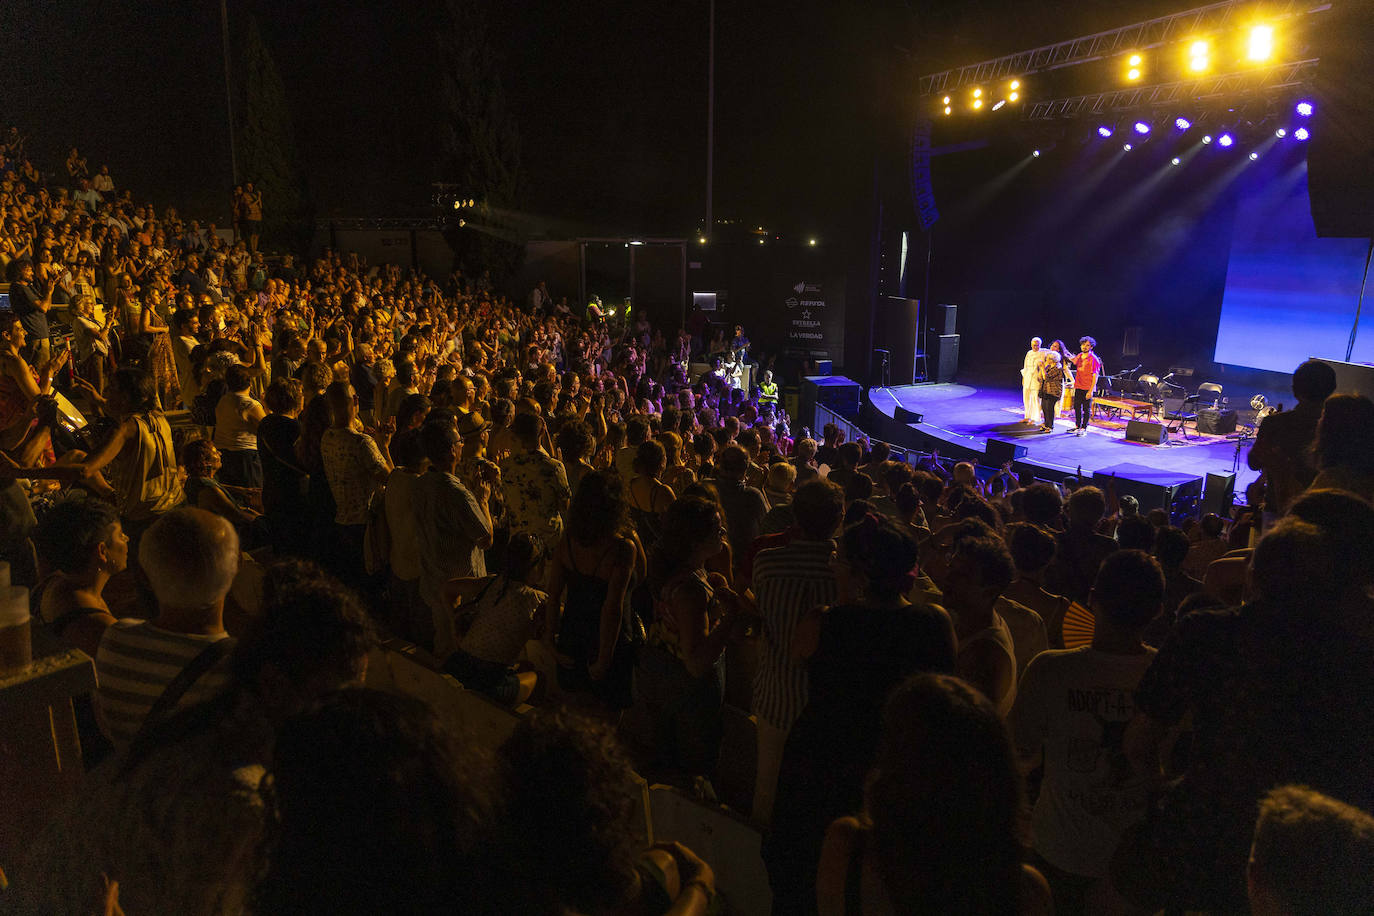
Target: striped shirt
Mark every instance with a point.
(133, 666)
(788, 582)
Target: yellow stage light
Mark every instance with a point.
(946, 100)
(977, 93)
(1014, 96)
(977, 103)
(1261, 45)
(1133, 74)
(1199, 53)
(1135, 60)
(948, 109)
(1015, 85)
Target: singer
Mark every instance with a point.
(1086, 368)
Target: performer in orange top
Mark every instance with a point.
(1086, 368)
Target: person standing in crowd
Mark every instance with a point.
(1030, 379)
(1283, 442)
(534, 485)
(252, 215)
(1086, 369)
(356, 466)
(237, 416)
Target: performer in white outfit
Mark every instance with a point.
(1030, 387)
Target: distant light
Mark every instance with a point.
(701, 240)
(1182, 123)
(1207, 138)
(1036, 154)
(998, 104)
(1305, 109)
(462, 223)
(1281, 133)
(946, 101)
(811, 242)
(1134, 60)
(977, 103)
(1104, 131)
(1261, 45)
(1014, 96)
(1254, 156)
(1199, 53)
(1142, 128)
(1301, 134)
(636, 242)
(1175, 161)
(1015, 85)
(1133, 74)
(1128, 147)
(457, 204)
(948, 109)
(1226, 140)
(760, 241)
(977, 93)
(471, 202)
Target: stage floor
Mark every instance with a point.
(966, 417)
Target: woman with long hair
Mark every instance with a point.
(1344, 448)
(589, 579)
(20, 389)
(938, 832)
(649, 496)
(1066, 404)
(681, 668)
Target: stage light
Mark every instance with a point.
(471, 202)
(1226, 140)
(946, 101)
(1301, 134)
(1175, 161)
(1104, 131)
(760, 241)
(977, 93)
(998, 104)
(1182, 123)
(1261, 45)
(1281, 133)
(1015, 85)
(1305, 109)
(948, 109)
(1207, 138)
(977, 103)
(1036, 154)
(457, 204)
(636, 242)
(701, 240)
(812, 243)
(1014, 96)
(1254, 156)
(1199, 54)
(1134, 61)
(1128, 147)
(1142, 128)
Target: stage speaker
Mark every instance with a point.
(942, 318)
(1180, 494)
(1000, 451)
(1219, 493)
(900, 319)
(825, 367)
(945, 357)
(1215, 422)
(902, 415)
(834, 391)
(1147, 432)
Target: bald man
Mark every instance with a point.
(190, 557)
(1030, 388)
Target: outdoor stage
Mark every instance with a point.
(960, 419)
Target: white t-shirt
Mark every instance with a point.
(1027, 631)
(1075, 704)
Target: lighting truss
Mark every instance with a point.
(1228, 86)
(1215, 17)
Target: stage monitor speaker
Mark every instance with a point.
(945, 357)
(1147, 432)
(942, 318)
(1219, 493)
(1179, 494)
(1000, 451)
(902, 415)
(1215, 422)
(834, 391)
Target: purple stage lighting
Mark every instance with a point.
(1281, 133)
(1254, 156)
(1207, 138)
(1182, 123)
(1301, 134)
(1305, 109)
(1142, 128)
(1127, 147)
(1104, 131)
(1226, 140)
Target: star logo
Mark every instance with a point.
(806, 313)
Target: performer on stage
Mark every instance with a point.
(1029, 383)
(1050, 375)
(1086, 368)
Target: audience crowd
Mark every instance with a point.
(230, 476)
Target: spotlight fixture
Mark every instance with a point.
(977, 93)
(1133, 67)
(1128, 147)
(1254, 156)
(1175, 161)
(948, 109)
(1182, 123)
(977, 103)
(1104, 131)
(946, 101)
(1304, 109)
(1226, 140)
(1014, 96)
(1261, 45)
(812, 243)
(1207, 138)
(1199, 56)
(1015, 85)
(1281, 133)
(1142, 128)
(1301, 134)
(1036, 153)
(998, 104)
